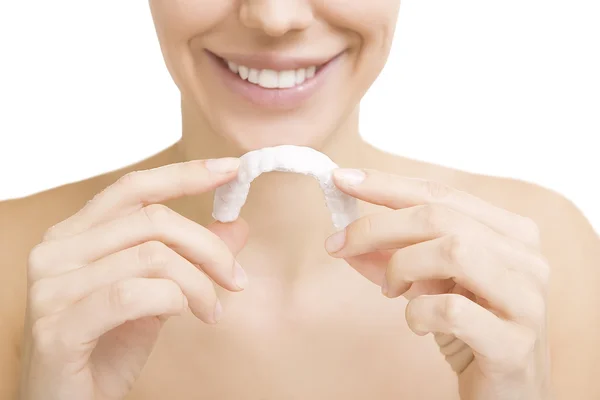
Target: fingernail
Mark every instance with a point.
(218, 311)
(350, 177)
(384, 287)
(336, 242)
(222, 165)
(239, 276)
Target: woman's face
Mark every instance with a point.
(270, 72)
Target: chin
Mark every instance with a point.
(286, 101)
(255, 132)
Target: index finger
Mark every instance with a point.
(138, 189)
(396, 192)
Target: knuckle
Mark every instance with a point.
(156, 214)
(520, 357)
(434, 217)
(362, 228)
(183, 173)
(37, 260)
(51, 233)
(43, 334)
(41, 297)
(37, 255)
(454, 249)
(128, 180)
(453, 309)
(175, 295)
(153, 257)
(437, 190)
(120, 296)
(66, 228)
(410, 315)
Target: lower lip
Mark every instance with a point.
(280, 99)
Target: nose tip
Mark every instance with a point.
(276, 17)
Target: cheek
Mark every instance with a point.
(373, 20)
(178, 20)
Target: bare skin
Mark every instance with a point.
(441, 290)
(327, 332)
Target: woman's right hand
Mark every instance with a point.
(103, 282)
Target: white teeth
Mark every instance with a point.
(233, 67)
(244, 72)
(300, 76)
(271, 79)
(253, 76)
(268, 78)
(287, 79)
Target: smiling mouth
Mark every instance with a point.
(275, 81)
(271, 78)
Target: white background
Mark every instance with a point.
(507, 88)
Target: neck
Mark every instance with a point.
(286, 212)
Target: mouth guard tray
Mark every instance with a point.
(231, 197)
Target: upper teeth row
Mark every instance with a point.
(271, 79)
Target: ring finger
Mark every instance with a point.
(484, 332)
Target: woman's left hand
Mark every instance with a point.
(472, 272)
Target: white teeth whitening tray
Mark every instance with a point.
(231, 197)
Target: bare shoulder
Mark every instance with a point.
(567, 234)
(547, 207)
(23, 223)
(564, 227)
(570, 245)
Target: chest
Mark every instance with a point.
(317, 346)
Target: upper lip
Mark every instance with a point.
(274, 61)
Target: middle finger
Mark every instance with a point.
(478, 268)
(155, 222)
(148, 260)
